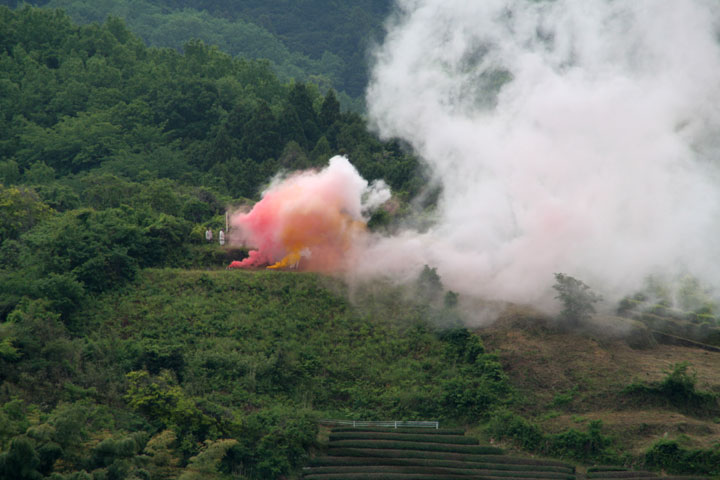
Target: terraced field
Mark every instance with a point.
(368, 453)
(618, 473)
(378, 453)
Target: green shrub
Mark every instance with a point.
(563, 399)
(677, 389)
(505, 424)
(584, 446)
(671, 457)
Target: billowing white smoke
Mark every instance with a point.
(575, 136)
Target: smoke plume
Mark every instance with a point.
(569, 136)
(313, 220)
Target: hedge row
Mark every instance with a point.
(606, 468)
(433, 431)
(625, 474)
(454, 439)
(385, 476)
(439, 471)
(501, 459)
(524, 461)
(433, 447)
(684, 478)
(397, 476)
(358, 461)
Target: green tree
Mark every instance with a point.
(21, 462)
(299, 99)
(329, 111)
(73, 144)
(261, 134)
(322, 152)
(20, 210)
(39, 172)
(577, 298)
(9, 172)
(165, 403)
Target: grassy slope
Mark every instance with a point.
(569, 379)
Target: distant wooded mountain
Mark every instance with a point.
(322, 41)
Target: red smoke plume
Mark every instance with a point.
(310, 220)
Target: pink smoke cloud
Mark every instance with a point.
(311, 220)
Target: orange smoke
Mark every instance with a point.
(311, 220)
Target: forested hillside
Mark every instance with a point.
(127, 351)
(100, 130)
(215, 374)
(313, 40)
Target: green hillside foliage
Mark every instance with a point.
(673, 458)
(313, 40)
(588, 446)
(114, 159)
(95, 97)
(126, 352)
(221, 371)
(342, 31)
(115, 156)
(677, 390)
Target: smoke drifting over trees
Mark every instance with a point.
(568, 136)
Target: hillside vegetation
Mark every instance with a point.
(313, 40)
(654, 402)
(223, 371)
(115, 156)
(127, 352)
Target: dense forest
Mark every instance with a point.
(307, 41)
(126, 350)
(100, 129)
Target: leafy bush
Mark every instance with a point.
(670, 456)
(678, 390)
(505, 424)
(585, 446)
